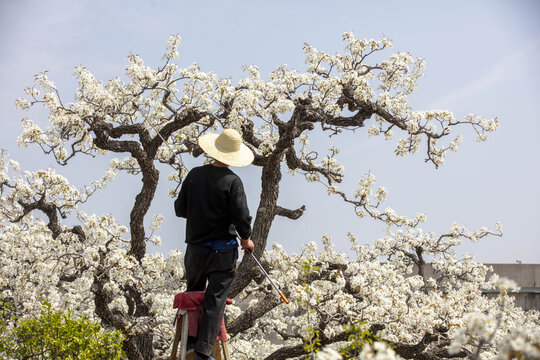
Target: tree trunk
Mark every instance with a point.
(140, 208)
(144, 343)
(270, 178)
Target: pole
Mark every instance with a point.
(268, 277)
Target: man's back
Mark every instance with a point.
(213, 201)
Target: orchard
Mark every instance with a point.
(377, 304)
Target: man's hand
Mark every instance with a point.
(247, 245)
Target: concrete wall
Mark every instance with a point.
(528, 278)
(526, 275)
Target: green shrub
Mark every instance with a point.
(56, 335)
(359, 336)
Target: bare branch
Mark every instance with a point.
(291, 214)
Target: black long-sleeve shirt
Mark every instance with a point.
(213, 201)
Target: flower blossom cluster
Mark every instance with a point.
(327, 287)
(38, 265)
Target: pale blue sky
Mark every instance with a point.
(482, 57)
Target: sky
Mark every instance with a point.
(482, 58)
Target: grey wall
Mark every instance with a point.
(528, 278)
(526, 275)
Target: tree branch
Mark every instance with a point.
(50, 210)
(291, 214)
(247, 319)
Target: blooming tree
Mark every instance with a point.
(101, 268)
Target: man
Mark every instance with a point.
(213, 201)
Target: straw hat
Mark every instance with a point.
(227, 147)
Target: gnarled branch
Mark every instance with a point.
(291, 214)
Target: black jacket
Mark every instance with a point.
(213, 201)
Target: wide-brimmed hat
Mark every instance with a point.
(227, 147)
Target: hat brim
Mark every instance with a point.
(242, 157)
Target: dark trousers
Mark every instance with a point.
(203, 264)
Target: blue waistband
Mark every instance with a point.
(221, 244)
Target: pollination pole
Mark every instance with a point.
(268, 277)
